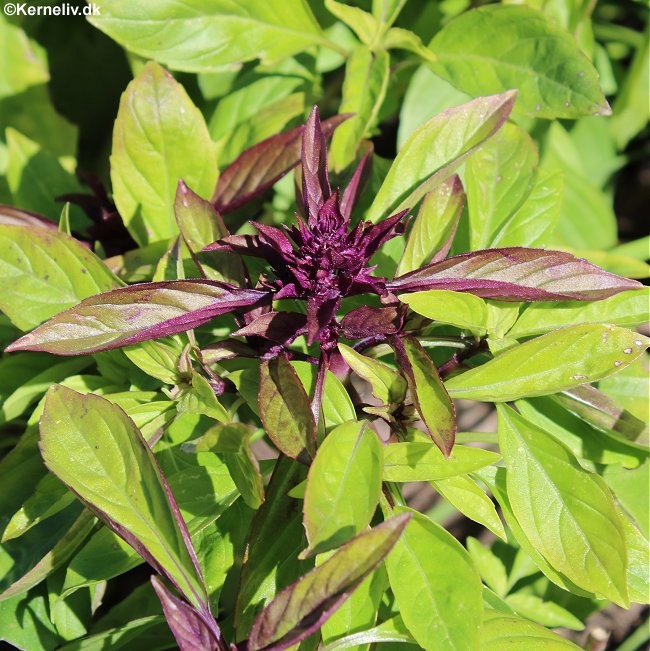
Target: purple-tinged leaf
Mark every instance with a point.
(427, 392)
(200, 225)
(285, 410)
(437, 149)
(315, 179)
(301, 608)
(133, 314)
(94, 448)
(13, 216)
(321, 311)
(374, 235)
(188, 627)
(281, 327)
(434, 227)
(369, 321)
(225, 350)
(356, 185)
(259, 167)
(517, 274)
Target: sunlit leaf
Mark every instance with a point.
(553, 362)
(567, 513)
(343, 486)
(156, 117)
(493, 48)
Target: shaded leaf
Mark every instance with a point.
(567, 513)
(133, 314)
(517, 274)
(231, 442)
(392, 630)
(274, 541)
(437, 148)
(491, 49)
(428, 392)
(113, 471)
(302, 607)
(343, 486)
(156, 116)
(553, 362)
(285, 410)
(431, 574)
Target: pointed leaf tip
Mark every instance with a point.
(301, 608)
(315, 178)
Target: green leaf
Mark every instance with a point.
(421, 461)
(428, 392)
(343, 486)
(464, 493)
(46, 548)
(33, 388)
(387, 384)
(567, 513)
(301, 607)
(45, 272)
(200, 399)
(360, 611)
(501, 630)
(364, 89)
(364, 25)
(113, 471)
(200, 224)
(392, 630)
(159, 358)
(159, 138)
(638, 550)
(489, 566)
(491, 49)
(197, 38)
(427, 95)
(405, 39)
(430, 574)
(285, 410)
(534, 222)
(434, 227)
(231, 442)
(274, 541)
(35, 177)
(498, 178)
(24, 62)
(553, 362)
(336, 405)
(436, 149)
(547, 613)
(460, 309)
(629, 309)
(25, 622)
(630, 388)
(583, 439)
